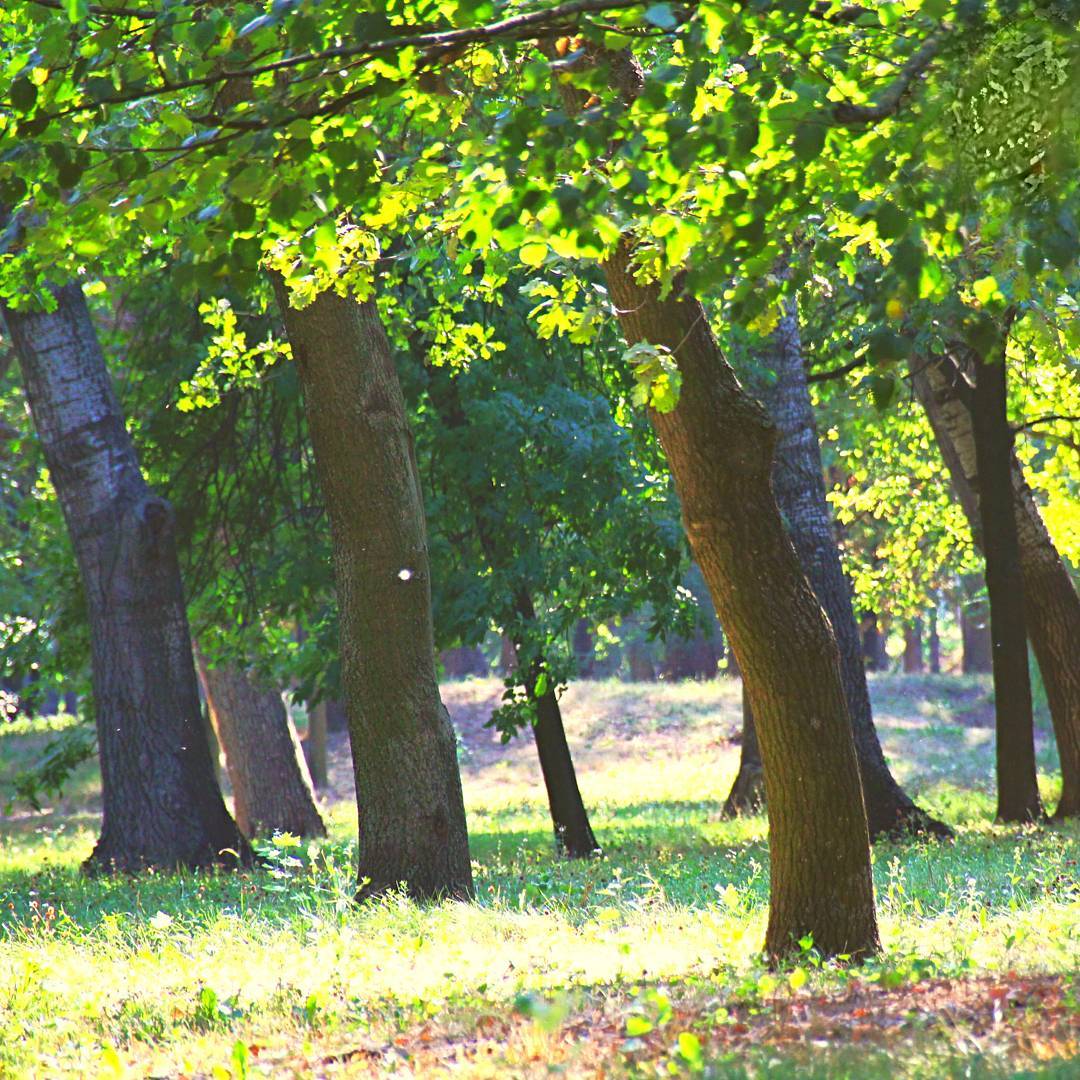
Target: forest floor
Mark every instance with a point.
(643, 963)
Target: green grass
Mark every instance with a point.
(643, 963)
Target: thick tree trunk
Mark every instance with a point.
(913, 648)
(1052, 604)
(798, 480)
(719, 443)
(269, 777)
(747, 795)
(408, 787)
(161, 803)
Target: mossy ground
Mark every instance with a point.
(645, 962)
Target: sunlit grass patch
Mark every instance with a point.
(556, 962)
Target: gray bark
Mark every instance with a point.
(161, 803)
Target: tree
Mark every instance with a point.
(271, 785)
(408, 789)
(1052, 604)
(162, 806)
(798, 482)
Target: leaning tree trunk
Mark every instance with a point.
(272, 791)
(569, 818)
(719, 443)
(1052, 604)
(799, 484)
(161, 803)
(408, 787)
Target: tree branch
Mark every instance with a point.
(847, 114)
(837, 372)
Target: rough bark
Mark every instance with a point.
(1052, 604)
(719, 443)
(270, 782)
(161, 803)
(408, 787)
(798, 480)
(747, 795)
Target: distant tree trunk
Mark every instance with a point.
(269, 777)
(799, 484)
(337, 719)
(974, 627)
(1018, 785)
(719, 443)
(747, 795)
(507, 656)
(1052, 605)
(315, 744)
(934, 640)
(640, 663)
(584, 651)
(162, 805)
(913, 647)
(463, 661)
(408, 787)
(875, 658)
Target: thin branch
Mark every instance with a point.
(1049, 419)
(837, 372)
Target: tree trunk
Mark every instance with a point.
(1052, 604)
(974, 624)
(719, 443)
(269, 777)
(315, 743)
(161, 803)
(408, 787)
(798, 480)
(1018, 785)
(747, 795)
(934, 640)
(875, 656)
(913, 652)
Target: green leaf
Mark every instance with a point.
(76, 10)
(638, 1025)
(883, 390)
(892, 222)
(533, 253)
(23, 94)
(541, 687)
(809, 141)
